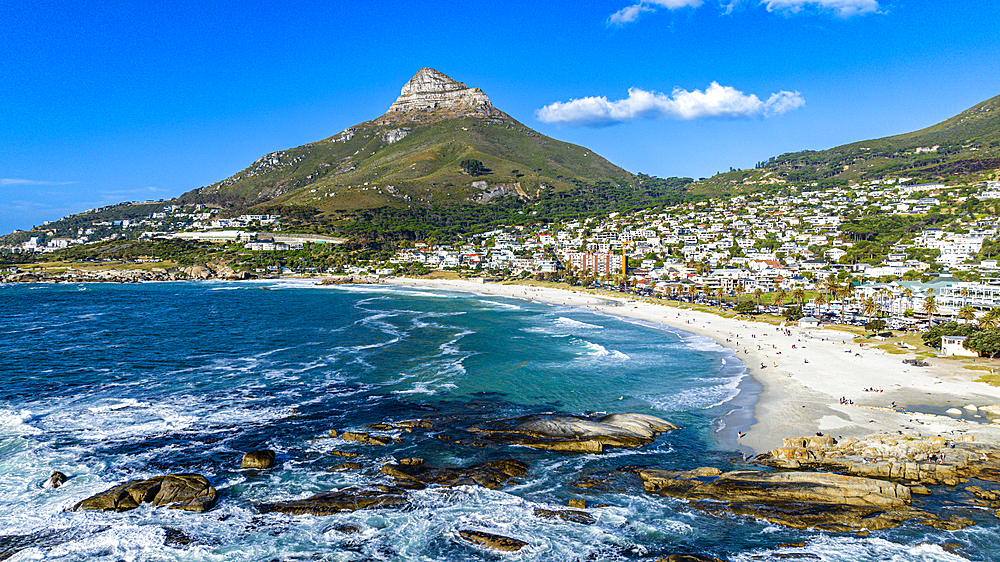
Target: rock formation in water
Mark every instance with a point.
(488, 475)
(829, 502)
(328, 503)
(910, 458)
(491, 541)
(574, 433)
(190, 492)
(262, 458)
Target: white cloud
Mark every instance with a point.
(676, 4)
(631, 13)
(843, 8)
(716, 101)
(18, 181)
(628, 15)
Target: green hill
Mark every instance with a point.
(965, 147)
(412, 155)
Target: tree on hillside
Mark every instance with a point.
(473, 167)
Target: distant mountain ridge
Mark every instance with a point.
(412, 155)
(968, 143)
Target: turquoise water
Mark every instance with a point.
(109, 383)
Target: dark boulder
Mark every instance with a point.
(576, 434)
(491, 541)
(262, 458)
(825, 501)
(190, 492)
(55, 480)
(572, 515)
(349, 499)
(489, 475)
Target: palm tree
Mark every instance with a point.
(967, 313)
(692, 290)
(718, 294)
(819, 300)
(758, 293)
(739, 290)
(869, 308)
(779, 298)
(990, 320)
(908, 293)
(832, 286)
(799, 294)
(930, 307)
(844, 293)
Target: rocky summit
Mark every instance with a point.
(412, 156)
(431, 94)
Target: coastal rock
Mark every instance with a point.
(262, 458)
(491, 541)
(198, 272)
(55, 480)
(366, 438)
(489, 475)
(572, 515)
(190, 492)
(830, 502)
(350, 499)
(908, 458)
(574, 433)
(688, 558)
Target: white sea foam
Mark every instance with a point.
(848, 549)
(697, 398)
(501, 305)
(16, 423)
(598, 350)
(702, 343)
(564, 322)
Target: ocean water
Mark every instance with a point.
(108, 383)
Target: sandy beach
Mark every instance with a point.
(804, 372)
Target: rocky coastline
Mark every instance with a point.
(208, 272)
(853, 486)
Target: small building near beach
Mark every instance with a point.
(952, 346)
(808, 322)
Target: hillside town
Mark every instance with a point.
(773, 243)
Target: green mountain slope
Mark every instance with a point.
(413, 156)
(963, 146)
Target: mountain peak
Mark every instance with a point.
(432, 94)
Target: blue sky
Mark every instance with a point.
(102, 102)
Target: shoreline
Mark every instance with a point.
(799, 388)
